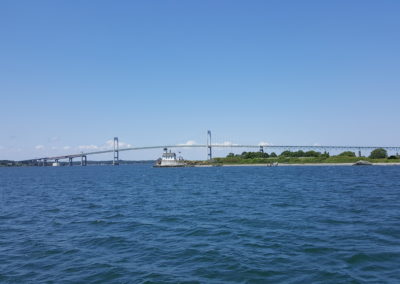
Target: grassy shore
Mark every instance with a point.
(292, 160)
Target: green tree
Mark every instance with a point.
(253, 155)
(286, 154)
(325, 154)
(379, 153)
(347, 154)
(273, 155)
(230, 155)
(265, 155)
(312, 154)
(299, 154)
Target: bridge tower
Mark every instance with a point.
(116, 152)
(261, 149)
(83, 160)
(70, 161)
(209, 147)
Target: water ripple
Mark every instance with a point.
(136, 224)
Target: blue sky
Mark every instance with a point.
(74, 74)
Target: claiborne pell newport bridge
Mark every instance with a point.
(209, 146)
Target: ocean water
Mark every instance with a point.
(138, 224)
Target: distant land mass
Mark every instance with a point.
(11, 163)
(300, 157)
(377, 156)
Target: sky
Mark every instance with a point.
(75, 74)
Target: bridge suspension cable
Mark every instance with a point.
(209, 146)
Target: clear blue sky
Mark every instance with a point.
(77, 73)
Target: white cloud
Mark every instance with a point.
(226, 143)
(188, 143)
(316, 144)
(66, 147)
(263, 143)
(54, 139)
(39, 147)
(54, 148)
(106, 146)
(110, 145)
(124, 145)
(88, 147)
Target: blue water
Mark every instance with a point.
(134, 224)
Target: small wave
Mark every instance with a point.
(360, 258)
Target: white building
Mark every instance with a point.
(169, 159)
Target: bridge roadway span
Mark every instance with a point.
(264, 147)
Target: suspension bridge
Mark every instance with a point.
(209, 146)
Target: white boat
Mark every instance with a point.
(169, 159)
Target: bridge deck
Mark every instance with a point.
(266, 147)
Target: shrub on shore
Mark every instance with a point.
(393, 157)
(301, 157)
(347, 154)
(379, 153)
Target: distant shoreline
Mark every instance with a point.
(293, 165)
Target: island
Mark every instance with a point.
(377, 156)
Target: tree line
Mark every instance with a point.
(379, 153)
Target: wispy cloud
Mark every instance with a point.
(110, 144)
(54, 139)
(39, 147)
(316, 144)
(88, 147)
(188, 143)
(226, 143)
(124, 145)
(263, 143)
(106, 146)
(67, 147)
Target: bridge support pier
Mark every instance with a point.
(359, 153)
(261, 149)
(44, 162)
(83, 161)
(70, 161)
(209, 147)
(116, 152)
